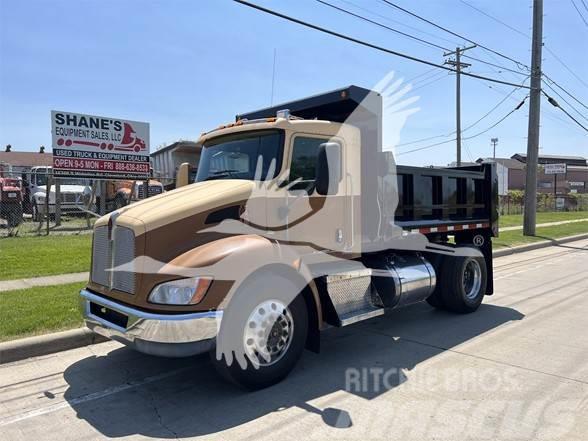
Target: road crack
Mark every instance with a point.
(159, 417)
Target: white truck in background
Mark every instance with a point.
(74, 192)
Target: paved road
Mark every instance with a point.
(515, 370)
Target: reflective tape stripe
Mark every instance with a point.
(445, 228)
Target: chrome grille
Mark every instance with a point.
(70, 197)
(101, 256)
(124, 254)
(104, 258)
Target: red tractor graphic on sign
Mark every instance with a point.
(130, 142)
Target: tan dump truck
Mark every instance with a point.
(298, 221)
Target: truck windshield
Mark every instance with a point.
(236, 156)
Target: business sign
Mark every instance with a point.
(555, 169)
(99, 147)
(576, 184)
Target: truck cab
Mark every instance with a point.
(298, 221)
(74, 193)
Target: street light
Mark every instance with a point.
(494, 141)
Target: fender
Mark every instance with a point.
(235, 258)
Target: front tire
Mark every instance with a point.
(35, 213)
(119, 202)
(263, 333)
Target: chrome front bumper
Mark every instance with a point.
(167, 335)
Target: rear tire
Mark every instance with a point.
(463, 283)
(236, 356)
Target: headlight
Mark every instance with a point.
(181, 292)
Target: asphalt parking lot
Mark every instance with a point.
(516, 369)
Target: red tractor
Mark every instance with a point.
(11, 201)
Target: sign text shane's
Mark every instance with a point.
(99, 147)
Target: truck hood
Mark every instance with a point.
(182, 203)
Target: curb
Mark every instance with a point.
(538, 245)
(61, 341)
(22, 348)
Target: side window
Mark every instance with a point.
(304, 158)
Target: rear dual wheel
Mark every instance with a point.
(461, 283)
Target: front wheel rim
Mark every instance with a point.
(268, 333)
(472, 279)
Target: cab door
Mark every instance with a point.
(318, 220)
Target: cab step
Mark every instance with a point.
(358, 316)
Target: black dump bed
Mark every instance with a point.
(428, 199)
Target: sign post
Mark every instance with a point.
(555, 169)
(99, 147)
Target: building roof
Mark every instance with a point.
(179, 146)
(553, 159)
(26, 159)
(509, 163)
(463, 164)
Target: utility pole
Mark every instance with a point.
(458, 65)
(494, 141)
(529, 220)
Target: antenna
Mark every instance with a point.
(273, 77)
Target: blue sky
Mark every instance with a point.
(188, 66)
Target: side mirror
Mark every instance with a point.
(328, 168)
(183, 175)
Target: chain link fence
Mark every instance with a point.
(514, 204)
(71, 206)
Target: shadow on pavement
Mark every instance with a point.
(126, 393)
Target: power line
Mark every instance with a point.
(367, 44)
(554, 103)
(492, 109)
(509, 95)
(552, 53)
(494, 18)
(494, 65)
(499, 121)
(443, 75)
(551, 116)
(575, 75)
(412, 36)
(579, 12)
(428, 77)
(565, 91)
(468, 137)
(388, 19)
(565, 101)
(393, 5)
(382, 25)
(468, 151)
(421, 74)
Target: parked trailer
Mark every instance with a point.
(298, 221)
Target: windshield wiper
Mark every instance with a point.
(221, 174)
